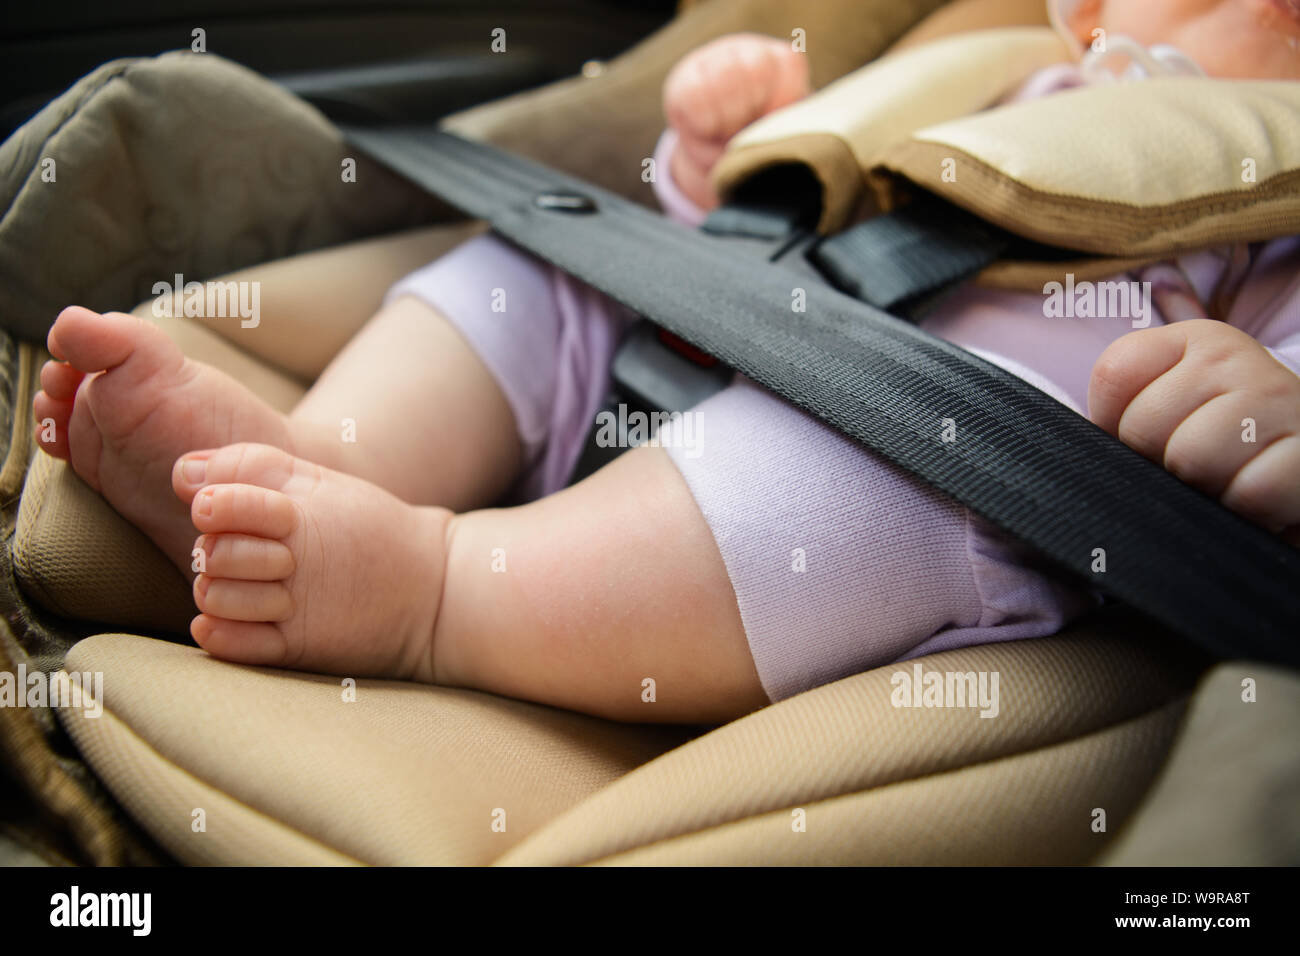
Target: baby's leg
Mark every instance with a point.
(583, 597)
(685, 582)
(312, 303)
(483, 364)
(609, 597)
(410, 406)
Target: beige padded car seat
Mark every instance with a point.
(1100, 728)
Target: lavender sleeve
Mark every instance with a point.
(675, 203)
(1268, 306)
(1288, 353)
(841, 561)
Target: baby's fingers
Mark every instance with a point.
(792, 77)
(1215, 441)
(755, 78)
(1267, 489)
(689, 101)
(701, 153)
(1125, 369)
(714, 98)
(727, 84)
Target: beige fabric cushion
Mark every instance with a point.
(285, 770)
(842, 131)
(1146, 169)
(238, 833)
(1029, 809)
(1229, 794)
(74, 555)
(412, 774)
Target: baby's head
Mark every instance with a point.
(1242, 39)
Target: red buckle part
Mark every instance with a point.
(686, 349)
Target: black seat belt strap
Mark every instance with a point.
(903, 261)
(985, 437)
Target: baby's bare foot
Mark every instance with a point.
(310, 568)
(127, 404)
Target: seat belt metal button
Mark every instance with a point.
(564, 200)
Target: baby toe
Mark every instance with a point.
(243, 556)
(242, 600)
(245, 463)
(244, 509)
(51, 425)
(239, 641)
(93, 342)
(60, 380)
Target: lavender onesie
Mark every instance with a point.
(840, 561)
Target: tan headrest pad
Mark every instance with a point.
(964, 16)
(1142, 169)
(842, 131)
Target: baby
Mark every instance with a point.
(781, 557)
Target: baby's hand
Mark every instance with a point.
(1211, 405)
(716, 91)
